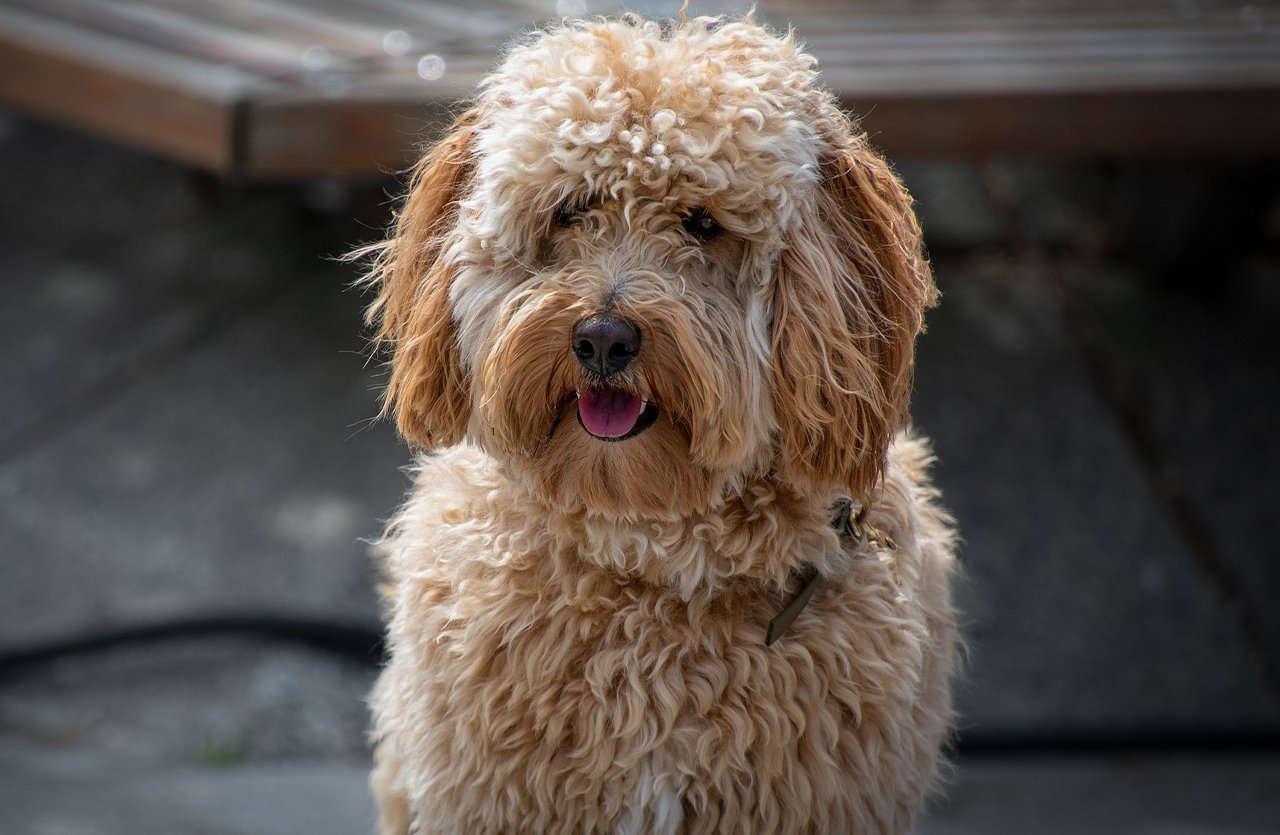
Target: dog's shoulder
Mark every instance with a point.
(909, 505)
(903, 548)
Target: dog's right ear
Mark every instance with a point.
(411, 317)
(850, 291)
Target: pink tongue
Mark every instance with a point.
(608, 412)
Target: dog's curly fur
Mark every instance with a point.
(577, 626)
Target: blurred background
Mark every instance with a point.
(189, 464)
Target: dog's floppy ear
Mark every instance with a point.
(851, 288)
(411, 316)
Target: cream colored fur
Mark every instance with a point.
(577, 626)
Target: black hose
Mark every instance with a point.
(357, 642)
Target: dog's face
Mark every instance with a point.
(649, 263)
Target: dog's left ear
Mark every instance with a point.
(412, 316)
(849, 296)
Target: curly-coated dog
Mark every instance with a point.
(672, 563)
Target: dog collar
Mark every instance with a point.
(850, 525)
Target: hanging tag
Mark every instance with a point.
(792, 611)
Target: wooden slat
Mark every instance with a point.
(1124, 51)
(152, 100)
(1228, 124)
(1051, 77)
(304, 139)
(163, 29)
(347, 33)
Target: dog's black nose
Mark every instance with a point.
(605, 344)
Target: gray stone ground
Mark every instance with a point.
(185, 433)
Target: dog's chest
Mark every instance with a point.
(533, 688)
(633, 709)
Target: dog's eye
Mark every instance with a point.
(701, 225)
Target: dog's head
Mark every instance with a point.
(649, 263)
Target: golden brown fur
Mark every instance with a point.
(577, 625)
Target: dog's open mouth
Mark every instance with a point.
(612, 414)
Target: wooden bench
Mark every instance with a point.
(288, 89)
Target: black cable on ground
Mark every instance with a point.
(1118, 742)
(357, 642)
